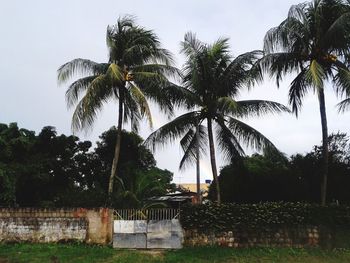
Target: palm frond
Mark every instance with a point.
(342, 82)
(161, 69)
(140, 98)
(141, 46)
(227, 105)
(181, 97)
(219, 50)
(251, 108)
(292, 35)
(172, 130)
(88, 107)
(315, 75)
(77, 88)
(338, 31)
(297, 91)
(243, 71)
(189, 145)
(248, 135)
(115, 74)
(131, 111)
(344, 105)
(227, 142)
(80, 66)
(154, 87)
(281, 63)
(191, 45)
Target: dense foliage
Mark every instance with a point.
(260, 178)
(57, 170)
(231, 216)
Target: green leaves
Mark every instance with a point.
(140, 98)
(231, 216)
(115, 75)
(258, 108)
(189, 144)
(314, 42)
(342, 82)
(227, 105)
(344, 105)
(138, 67)
(315, 75)
(172, 130)
(79, 66)
(86, 110)
(211, 80)
(249, 136)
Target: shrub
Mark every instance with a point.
(230, 216)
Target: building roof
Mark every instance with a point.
(192, 187)
(169, 198)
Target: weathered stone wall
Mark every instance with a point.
(42, 229)
(100, 225)
(54, 225)
(302, 236)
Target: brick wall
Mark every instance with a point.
(54, 225)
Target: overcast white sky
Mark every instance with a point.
(36, 37)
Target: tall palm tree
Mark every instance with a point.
(212, 80)
(312, 41)
(137, 69)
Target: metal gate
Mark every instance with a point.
(147, 228)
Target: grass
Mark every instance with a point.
(59, 253)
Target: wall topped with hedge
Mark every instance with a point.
(266, 224)
(228, 216)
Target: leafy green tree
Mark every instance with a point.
(145, 184)
(308, 167)
(58, 170)
(15, 152)
(314, 42)
(212, 80)
(139, 176)
(11, 143)
(137, 69)
(259, 178)
(39, 169)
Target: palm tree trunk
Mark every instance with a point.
(117, 148)
(199, 197)
(213, 161)
(322, 103)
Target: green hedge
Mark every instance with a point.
(230, 216)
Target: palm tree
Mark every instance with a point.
(137, 69)
(212, 80)
(314, 42)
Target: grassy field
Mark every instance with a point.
(82, 253)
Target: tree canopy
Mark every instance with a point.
(261, 178)
(58, 170)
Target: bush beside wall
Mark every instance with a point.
(265, 224)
